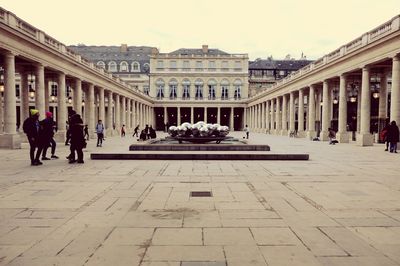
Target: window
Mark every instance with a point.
(160, 89)
(198, 85)
(211, 92)
(186, 89)
(238, 89)
(238, 65)
(101, 64)
(186, 64)
(225, 65)
(135, 67)
(211, 65)
(160, 64)
(146, 90)
(199, 65)
(172, 89)
(112, 66)
(172, 64)
(17, 91)
(123, 66)
(224, 89)
(53, 90)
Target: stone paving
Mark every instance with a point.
(342, 207)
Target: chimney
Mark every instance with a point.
(154, 51)
(124, 48)
(205, 49)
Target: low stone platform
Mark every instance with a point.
(198, 147)
(190, 155)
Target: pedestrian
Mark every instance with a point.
(48, 127)
(383, 135)
(136, 131)
(393, 136)
(86, 130)
(146, 131)
(77, 139)
(70, 114)
(68, 133)
(247, 131)
(152, 132)
(100, 133)
(123, 131)
(31, 128)
(331, 136)
(143, 135)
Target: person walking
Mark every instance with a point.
(31, 128)
(331, 136)
(77, 139)
(393, 136)
(136, 131)
(123, 131)
(146, 131)
(86, 130)
(48, 127)
(247, 131)
(67, 134)
(100, 133)
(383, 135)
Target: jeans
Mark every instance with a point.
(393, 146)
(100, 137)
(33, 145)
(53, 148)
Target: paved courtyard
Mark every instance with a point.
(342, 207)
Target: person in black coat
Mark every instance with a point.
(32, 130)
(48, 126)
(393, 136)
(77, 138)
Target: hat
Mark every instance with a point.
(49, 114)
(34, 112)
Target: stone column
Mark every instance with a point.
(231, 119)
(142, 123)
(262, 117)
(90, 107)
(109, 122)
(245, 119)
(10, 139)
(291, 112)
(192, 115)
(278, 116)
(179, 116)
(284, 115)
(102, 108)
(117, 112)
(40, 90)
(365, 138)
(123, 111)
(383, 97)
(311, 113)
(78, 96)
(205, 114)
(267, 117)
(325, 110)
(24, 95)
(165, 117)
(273, 115)
(46, 95)
(61, 109)
(342, 136)
(300, 116)
(128, 114)
(218, 115)
(395, 94)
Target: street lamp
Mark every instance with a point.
(1, 79)
(69, 100)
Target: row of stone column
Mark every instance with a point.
(125, 110)
(277, 115)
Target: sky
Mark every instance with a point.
(260, 28)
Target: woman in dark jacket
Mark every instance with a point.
(393, 136)
(77, 138)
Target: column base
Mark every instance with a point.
(301, 134)
(324, 136)
(311, 135)
(60, 136)
(343, 137)
(365, 139)
(10, 141)
(284, 132)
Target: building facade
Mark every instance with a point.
(130, 63)
(265, 72)
(191, 85)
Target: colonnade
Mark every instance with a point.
(89, 100)
(308, 111)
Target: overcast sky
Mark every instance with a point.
(258, 27)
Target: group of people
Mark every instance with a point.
(40, 134)
(147, 133)
(390, 135)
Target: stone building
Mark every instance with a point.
(199, 85)
(130, 63)
(265, 72)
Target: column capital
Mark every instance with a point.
(396, 57)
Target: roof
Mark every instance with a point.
(189, 51)
(278, 64)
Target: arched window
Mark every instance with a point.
(238, 89)
(224, 89)
(186, 89)
(198, 85)
(101, 64)
(160, 88)
(112, 66)
(173, 84)
(212, 83)
(135, 67)
(123, 67)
